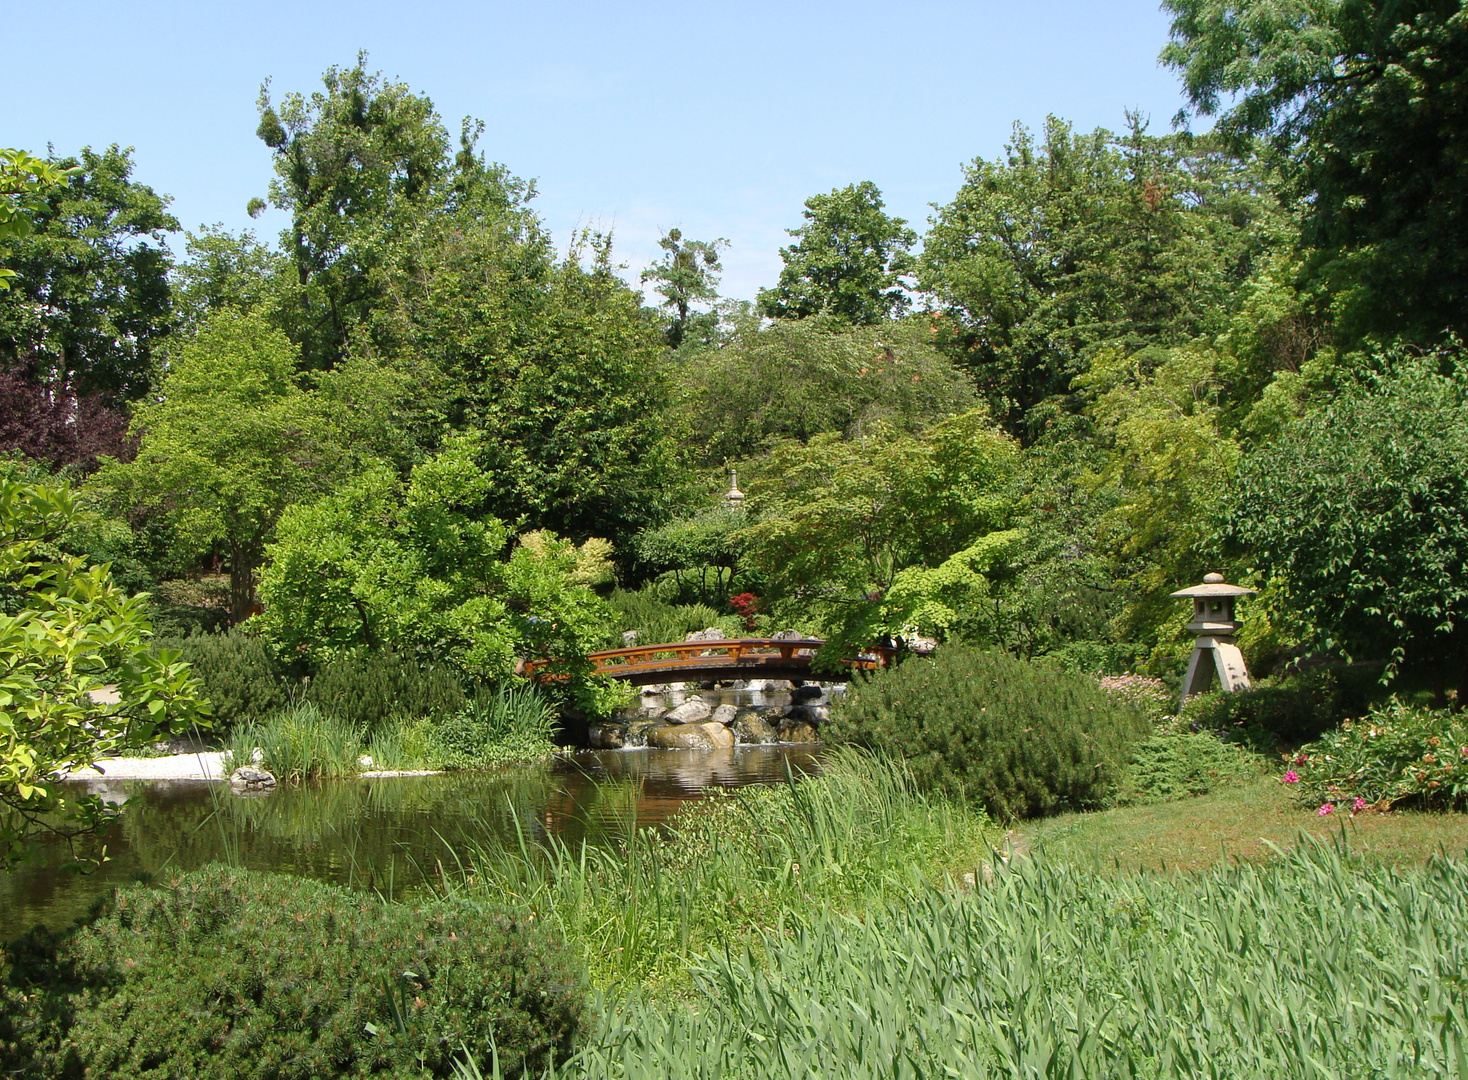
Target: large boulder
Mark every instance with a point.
(693, 711)
(799, 731)
(724, 714)
(682, 737)
(718, 734)
(605, 737)
(751, 726)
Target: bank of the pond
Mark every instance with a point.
(383, 835)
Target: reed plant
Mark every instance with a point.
(299, 742)
(640, 904)
(1312, 965)
(503, 724)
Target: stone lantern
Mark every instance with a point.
(733, 498)
(1215, 624)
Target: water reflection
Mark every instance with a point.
(388, 835)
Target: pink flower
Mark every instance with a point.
(1325, 810)
(1292, 777)
(1358, 805)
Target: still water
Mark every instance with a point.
(387, 834)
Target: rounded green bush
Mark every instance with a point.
(1015, 738)
(229, 973)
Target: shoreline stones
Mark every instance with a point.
(696, 724)
(250, 779)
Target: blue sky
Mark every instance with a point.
(720, 119)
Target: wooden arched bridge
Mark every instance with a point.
(718, 661)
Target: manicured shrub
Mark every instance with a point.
(1178, 765)
(1395, 754)
(225, 973)
(1015, 738)
(241, 679)
(366, 688)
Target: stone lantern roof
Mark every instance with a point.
(1213, 585)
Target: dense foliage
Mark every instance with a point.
(223, 973)
(1015, 738)
(78, 679)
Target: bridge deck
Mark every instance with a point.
(702, 661)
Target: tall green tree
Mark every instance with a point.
(1359, 513)
(354, 162)
(848, 260)
(232, 440)
(1363, 103)
(90, 302)
(1073, 241)
(554, 360)
(221, 271)
(687, 276)
(796, 378)
(416, 565)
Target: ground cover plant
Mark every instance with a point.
(1015, 738)
(223, 973)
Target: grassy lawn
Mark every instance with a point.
(1238, 823)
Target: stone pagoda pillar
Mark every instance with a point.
(1215, 624)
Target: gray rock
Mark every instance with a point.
(251, 778)
(692, 711)
(817, 714)
(712, 633)
(750, 726)
(809, 692)
(655, 689)
(724, 714)
(681, 737)
(606, 737)
(718, 734)
(787, 635)
(629, 638)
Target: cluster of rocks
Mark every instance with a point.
(695, 724)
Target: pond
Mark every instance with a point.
(387, 835)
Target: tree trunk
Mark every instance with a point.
(242, 581)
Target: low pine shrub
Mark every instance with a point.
(1395, 754)
(367, 688)
(241, 679)
(225, 973)
(1015, 738)
(1179, 765)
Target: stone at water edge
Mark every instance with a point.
(718, 734)
(750, 726)
(799, 732)
(250, 778)
(692, 711)
(724, 714)
(605, 737)
(682, 737)
(655, 690)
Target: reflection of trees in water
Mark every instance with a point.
(387, 835)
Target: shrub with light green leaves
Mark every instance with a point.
(1396, 754)
(225, 973)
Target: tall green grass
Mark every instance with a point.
(1311, 966)
(640, 903)
(299, 742)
